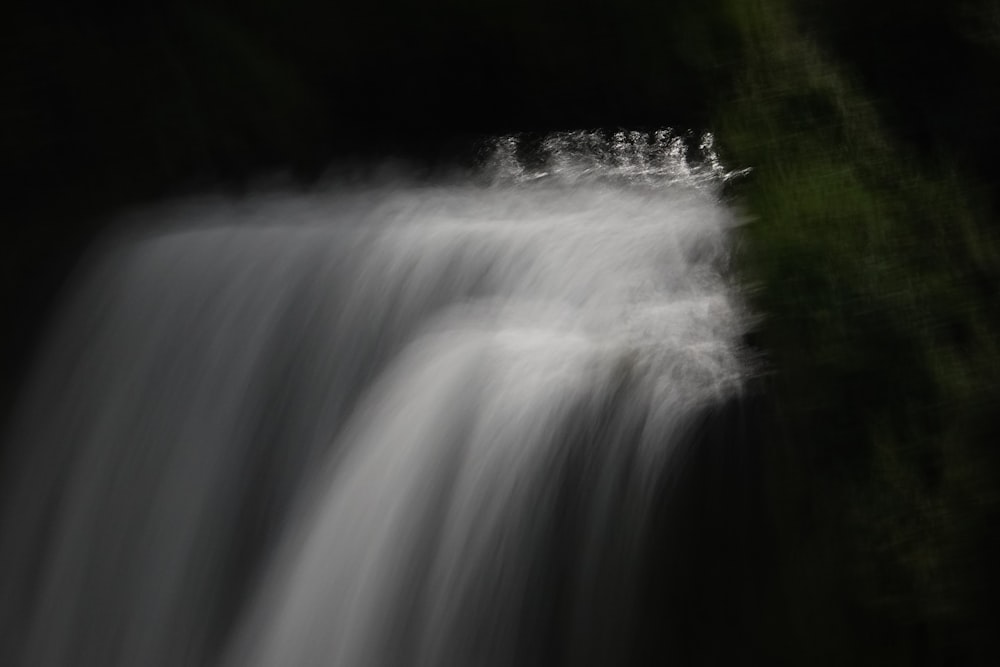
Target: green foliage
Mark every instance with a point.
(876, 278)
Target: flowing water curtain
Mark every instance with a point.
(400, 423)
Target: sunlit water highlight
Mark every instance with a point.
(399, 422)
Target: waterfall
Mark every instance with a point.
(391, 421)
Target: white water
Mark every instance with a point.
(390, 423)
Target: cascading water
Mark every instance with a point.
(396, 423)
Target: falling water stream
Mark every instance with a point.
(392, 421)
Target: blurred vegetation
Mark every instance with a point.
(876, 268)
(871, 253)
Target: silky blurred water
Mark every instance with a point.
(392, 421)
